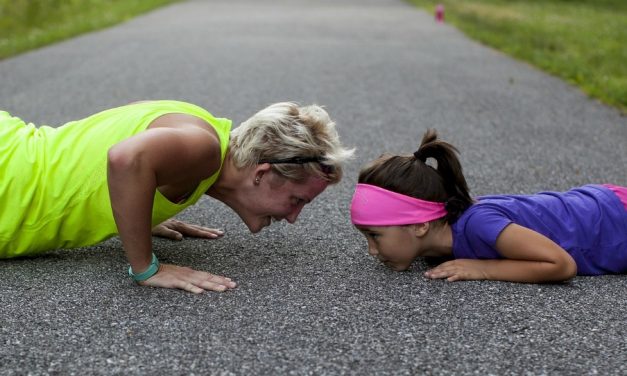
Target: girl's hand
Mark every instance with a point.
(459, 270)
(176, 230)
(180, 277)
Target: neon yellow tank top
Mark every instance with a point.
(53, 181)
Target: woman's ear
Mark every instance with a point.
(260, 170)
(421, 229)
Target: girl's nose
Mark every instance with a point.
(372, 250)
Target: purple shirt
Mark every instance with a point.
(589, 222)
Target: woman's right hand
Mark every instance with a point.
(184, 278)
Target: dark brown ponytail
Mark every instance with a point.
(411, 175)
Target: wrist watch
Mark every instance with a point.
(152, 269)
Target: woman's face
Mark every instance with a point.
(276, 198)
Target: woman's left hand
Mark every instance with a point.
(196, 281)
(176, 230)
(459, 270)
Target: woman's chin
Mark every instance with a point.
(256, 226)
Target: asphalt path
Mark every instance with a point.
(310, 300)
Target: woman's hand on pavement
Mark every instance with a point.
(184, 278)
(177, 230)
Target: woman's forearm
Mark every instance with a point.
(131, 189)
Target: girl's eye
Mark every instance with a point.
(373, 235)
(297, 201)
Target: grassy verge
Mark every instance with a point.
(582, 41)
(28, 24)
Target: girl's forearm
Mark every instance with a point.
(530, 257)
(525, 271)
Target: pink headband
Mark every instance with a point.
(375, 206)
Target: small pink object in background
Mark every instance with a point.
(439, 13)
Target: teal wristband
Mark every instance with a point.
(153, 268)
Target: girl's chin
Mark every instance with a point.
(396, 267)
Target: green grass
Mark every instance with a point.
(28, 24)
(581, 41)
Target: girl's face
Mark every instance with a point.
(395, 246)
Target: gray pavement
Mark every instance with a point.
(311, 301)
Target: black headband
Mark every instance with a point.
(327, 169)
(294, 160)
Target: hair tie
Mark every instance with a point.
(418, 155)
(448, 203)
(453, 204)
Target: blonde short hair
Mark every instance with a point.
(285, 131)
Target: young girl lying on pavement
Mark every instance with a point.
(408, 209)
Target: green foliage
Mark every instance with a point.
(27, 24)
(582, 41)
